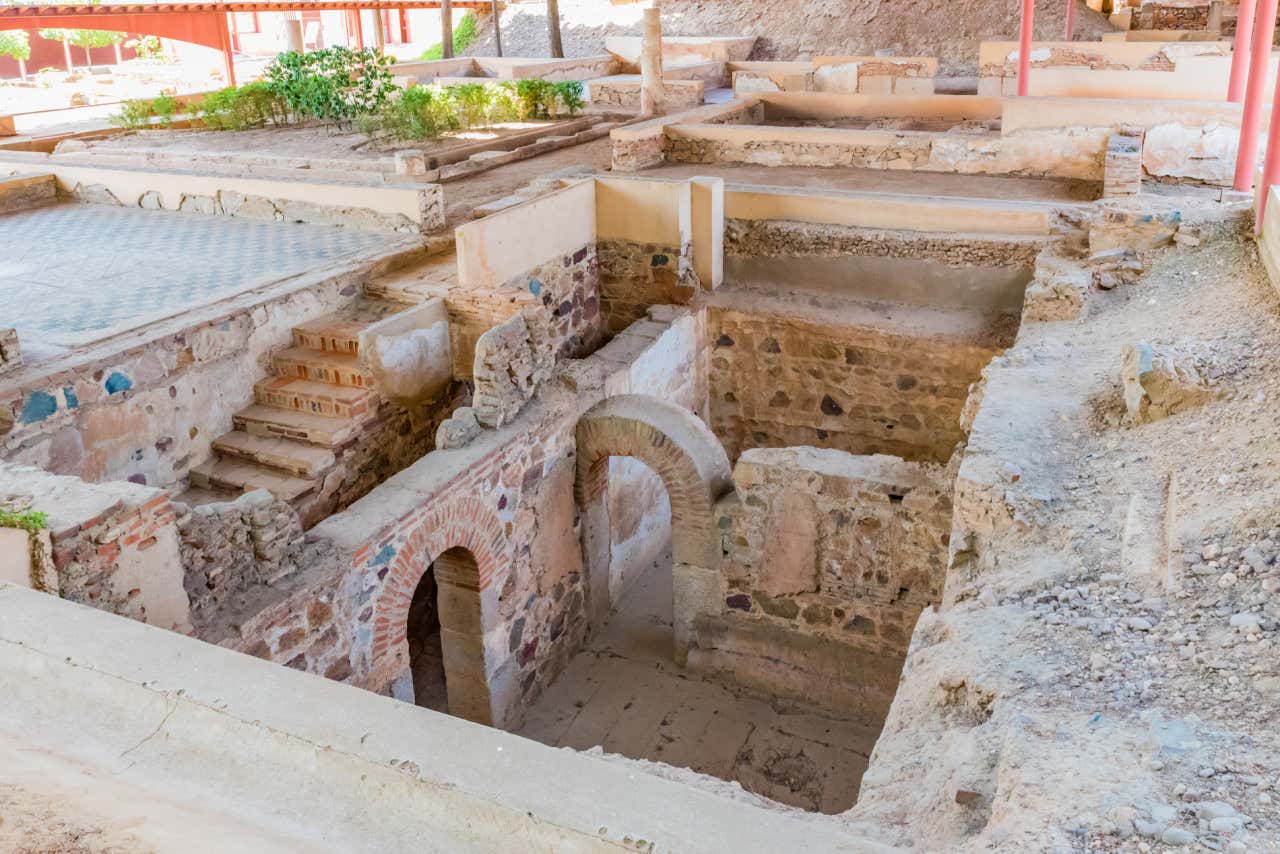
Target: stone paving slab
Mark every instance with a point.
(72, 273)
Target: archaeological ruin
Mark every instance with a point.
(648, 425)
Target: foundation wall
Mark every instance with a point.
(407, 208)
(1191, 71)
(146, 406)
(114, 545)
(507, 497)
(23, 192)
(829, 559)
(781, 376)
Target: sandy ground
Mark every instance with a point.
(625, 694)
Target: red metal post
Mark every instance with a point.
(228, 58)
(1264, 25)
(1271, 162)
(1071, 19)
(1024, 45)
(1240, 52)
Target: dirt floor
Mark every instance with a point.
(304, 141)
(791, 29)
(625, 694)
(1010, 188)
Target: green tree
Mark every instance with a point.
(86, 39)
(15, 43)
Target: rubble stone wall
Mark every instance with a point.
(148, 413)
(829, 560)
(635, 276)
(778, 380)
(508, 498)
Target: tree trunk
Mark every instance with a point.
(497, 25)
(22, 69)
(446, 29)
(88, 58)
(119, 56)
(553, 26)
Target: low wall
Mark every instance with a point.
(1054, 137)
(678, 50)
(829, 560)
(366, 775)
(407, 208)
(644, 143)
(509, 68)
(145, 405)
(114, 545)
(1189, 71)
(622, 92)
(23, 192)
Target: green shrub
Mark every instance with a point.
(335, 84)
(240, 108)
(133, 114)
(421, 112)
(164, 107)
(569, 93)
(472, 101)
(464, 35)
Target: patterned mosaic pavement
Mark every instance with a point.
(72, 273)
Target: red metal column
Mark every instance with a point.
(1240, 52)
(1071, 19)
(1264, 24)
(224, 37)
(1024, 45)
(1270, 163)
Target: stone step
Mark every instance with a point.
(340, 332)
(243, 476)
(322, 366)
(273, 422)
(318, 398)
(295, 458)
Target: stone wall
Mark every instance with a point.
(623, 93)
(639, 146)
(635, 276)
(115, 545)
(10, 352)
(781, 376)
(230, 547)
(22, 192)
(783, 238)
(507, 498)
(148, 412)
(829, 560)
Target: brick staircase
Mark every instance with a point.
(319, 400)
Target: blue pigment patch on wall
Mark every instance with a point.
(39, 406)
(69, 394)
(535, 287)
(384, 556)
(118, 382)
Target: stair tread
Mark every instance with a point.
(347, 361)
(249, 476)
(295, 457)
(293, 418)
(316, 388)
(355, 317)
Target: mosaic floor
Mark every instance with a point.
(73, 273)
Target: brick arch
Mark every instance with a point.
(678, 446)
(465, 523)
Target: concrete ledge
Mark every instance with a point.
(831, 105)
(346, 770)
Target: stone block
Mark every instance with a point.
(1159, 381)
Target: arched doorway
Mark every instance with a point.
(694, 469)
(446, 640)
